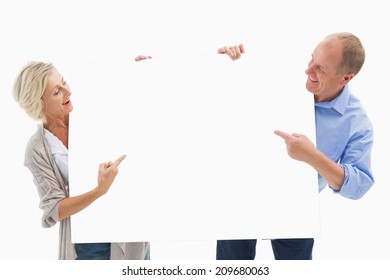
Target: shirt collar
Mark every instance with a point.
(339, 103)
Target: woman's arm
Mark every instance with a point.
(106, 175)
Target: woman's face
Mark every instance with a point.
(57, 96)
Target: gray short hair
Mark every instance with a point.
(353, 52)
(29, 87)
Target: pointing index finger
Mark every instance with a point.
(222, 50)
(242, 50)
(119, 160)
(283, 134)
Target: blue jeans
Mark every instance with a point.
(93, 251)
(283, 249)
(147, 255)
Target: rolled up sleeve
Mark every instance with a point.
(356, 162)
(49, 189)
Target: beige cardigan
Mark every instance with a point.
(52, 189)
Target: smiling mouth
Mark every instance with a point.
(67, 102)
(314, 81)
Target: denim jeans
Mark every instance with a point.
(283, 249)
(147, 255)
(293, 249)
(93, 251)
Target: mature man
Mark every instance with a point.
(344, 137)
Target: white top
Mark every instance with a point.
(60, 154)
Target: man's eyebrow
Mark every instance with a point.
(319, 66)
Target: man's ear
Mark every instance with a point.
(347, 78)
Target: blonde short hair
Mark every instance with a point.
(29, 88)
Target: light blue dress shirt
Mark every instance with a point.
(344, 134)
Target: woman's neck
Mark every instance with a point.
(59, 128)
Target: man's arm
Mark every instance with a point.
(299, 147)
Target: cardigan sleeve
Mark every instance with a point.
(44, 177)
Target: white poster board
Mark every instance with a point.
(202, 160)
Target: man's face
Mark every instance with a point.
(322, 77)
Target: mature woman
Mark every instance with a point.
(45, 96)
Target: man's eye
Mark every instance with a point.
(320, 69)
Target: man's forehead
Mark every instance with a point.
(328, 51)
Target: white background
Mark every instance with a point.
(65, 32)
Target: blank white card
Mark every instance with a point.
(202, 162)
